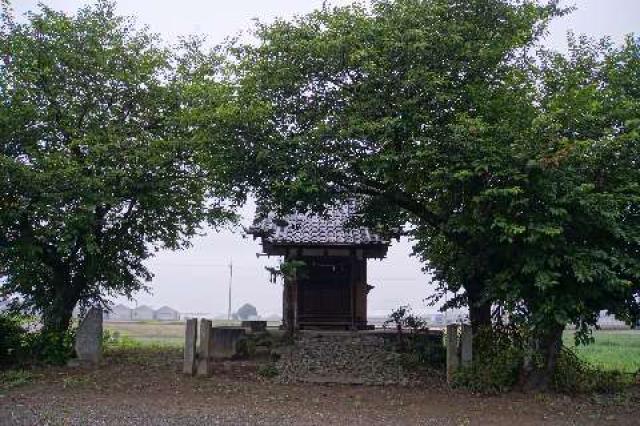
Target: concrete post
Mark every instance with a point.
(190, 340)
(204, 349)
(452, 351)
(466, 345)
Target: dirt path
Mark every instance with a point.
(144, 388)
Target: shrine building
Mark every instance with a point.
(329, 290)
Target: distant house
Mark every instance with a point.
(119, 312)
(167, 314)
(141, 313)
(608, 321)
(436, 319)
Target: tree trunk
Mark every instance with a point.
(479, 315)
(479, 307)
(480, 319)
(546, 344)
(57, 318)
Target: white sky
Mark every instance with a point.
(196, 280)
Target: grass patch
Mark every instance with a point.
(14, 378)
(75, 381)
(612, 350)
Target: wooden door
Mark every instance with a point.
(324, 295)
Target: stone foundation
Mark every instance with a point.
(366, 358)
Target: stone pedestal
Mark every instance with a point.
(225, 340)
(88, 343)
(255, 326)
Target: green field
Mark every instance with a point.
(612, 349)
(149, 332)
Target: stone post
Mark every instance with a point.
(204, 349)
(190, 340)
(466, 345)
(452, 351)
(88, 343)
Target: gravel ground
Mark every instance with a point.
(146, 388)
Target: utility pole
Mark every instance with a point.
(230, 283)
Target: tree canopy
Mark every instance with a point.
(394, 103)
(517, 170)
(98, 166)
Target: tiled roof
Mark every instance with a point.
(313, 229)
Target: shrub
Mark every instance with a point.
(403, 318)
(13, 339)
(422, 350)
(246, 348)
(574, 375)
(418, 348)
(502, 353)
(268, 371)
(499, 353)
(496, 372)
(52, 348)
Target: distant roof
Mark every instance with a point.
(120, 306)
(143, 307)
(309, 229)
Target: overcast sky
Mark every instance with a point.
(196, 280)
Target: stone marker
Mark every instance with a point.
(204, 349)
(225, 340)
(466, 345)
(88, 342)
(452, 351)
(190, 340)
(255, 326)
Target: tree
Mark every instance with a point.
(437, 114)
(575, 250)
(246, 311)
(97, 167)
(389, 103)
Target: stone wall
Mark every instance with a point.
(367, 358)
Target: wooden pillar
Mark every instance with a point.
(294, 305)
(190, 339)
(452, 351)
(286, 320)
(362, 264)
(205, 349)
(353, 283)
